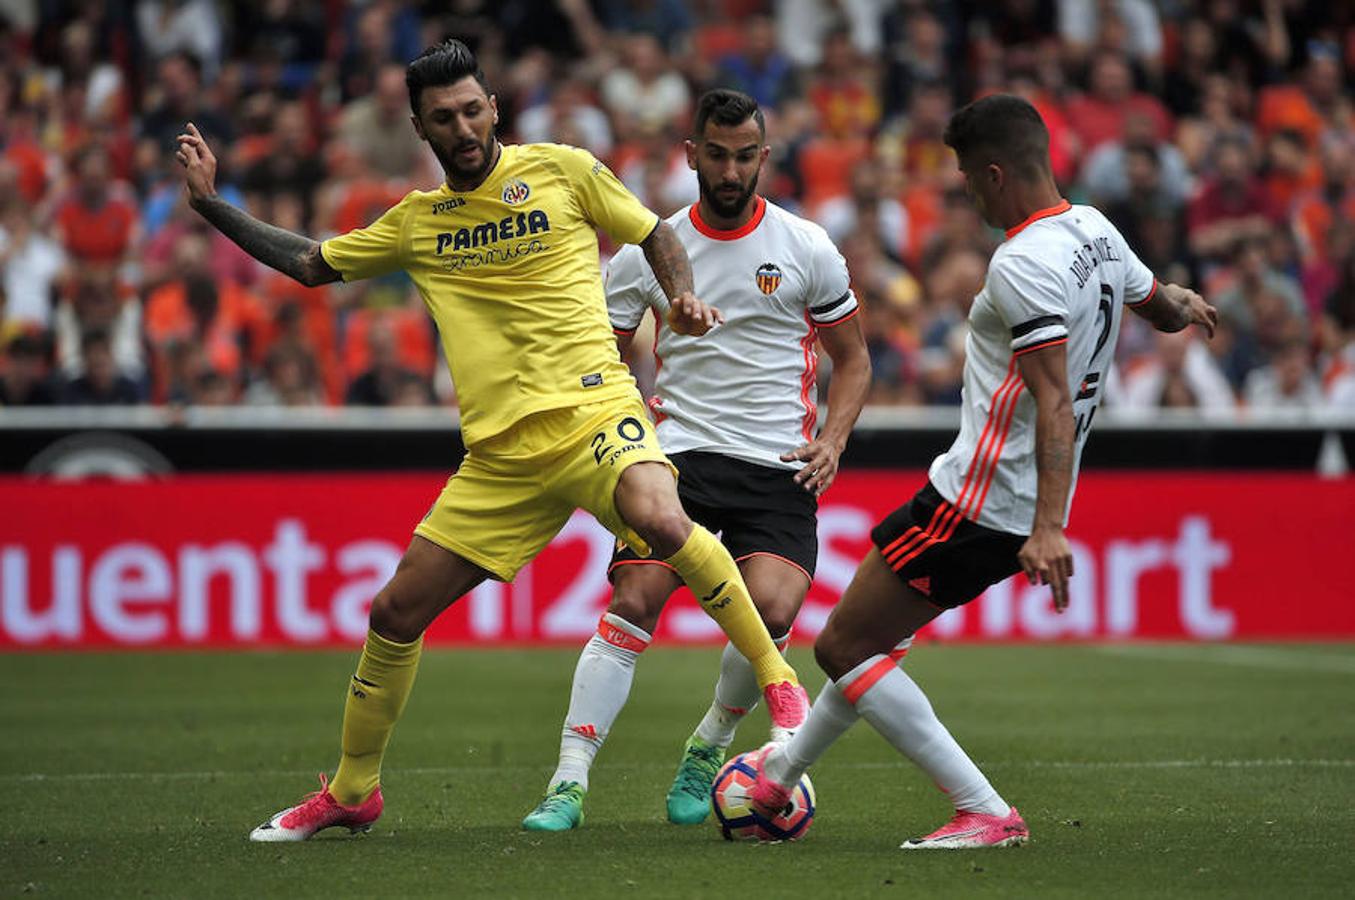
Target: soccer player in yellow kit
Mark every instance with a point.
(505, 256)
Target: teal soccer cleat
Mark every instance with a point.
(689, 797)
(560, 810)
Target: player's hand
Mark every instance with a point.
(1200, 312)
(1046, 558)
(199, 161)
(820, 457)
(688, 315)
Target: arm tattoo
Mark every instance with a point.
(291, 254)
(1172, 314)
(669, 261)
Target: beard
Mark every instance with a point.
(458, 170)
(727, 209)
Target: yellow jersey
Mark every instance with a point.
(510, 273)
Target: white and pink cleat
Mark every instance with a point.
(788, 707)
(766, 796)
(317, 812)
(970, 830)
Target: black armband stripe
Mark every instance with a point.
(1040, 322)
(829, 307)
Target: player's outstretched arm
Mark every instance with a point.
(1046, 556)
(1172, 308)
(668, 258)
(846, 347)
(291, 254)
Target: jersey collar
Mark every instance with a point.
(733, 234)
(1061, 207)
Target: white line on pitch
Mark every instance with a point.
(1235, 655)
(1281, 763)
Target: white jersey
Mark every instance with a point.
(1063, 276)
(747, 388)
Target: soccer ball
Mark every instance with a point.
(738, 820)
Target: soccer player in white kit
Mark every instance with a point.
(1041, 336)
(735, 412)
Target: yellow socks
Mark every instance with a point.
(711, 573)
(376, 697)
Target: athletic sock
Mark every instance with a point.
(829, 719)
(708, 569)
(602, 681)
(376, 696)
(736, 693)
(895, 706)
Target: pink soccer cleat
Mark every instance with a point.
(765, 795)
(788, 707)
(317, 812)
(969, 830)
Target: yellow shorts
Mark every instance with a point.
(515, 491)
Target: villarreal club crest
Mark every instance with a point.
(768, 278)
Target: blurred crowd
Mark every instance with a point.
(1219, 135)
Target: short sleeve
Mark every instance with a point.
(830, 299)
(1139, 282)
(629, 285)
(1029, 297)
(375, 250)
(606, 202)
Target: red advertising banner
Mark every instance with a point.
(294, 560)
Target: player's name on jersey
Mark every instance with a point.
(1089, 256)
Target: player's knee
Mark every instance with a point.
(636, 608)
(778, 618)
(395, 620)
(665, 528)
(835, 656)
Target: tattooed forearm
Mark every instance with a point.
(669, 261)
(291, 254)
(1055, 433)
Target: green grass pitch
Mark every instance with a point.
(1152, 770)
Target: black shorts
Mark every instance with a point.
(942, 555)
(755, 509)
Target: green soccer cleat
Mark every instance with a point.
(689, 797)
(560, 810)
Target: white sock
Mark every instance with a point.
(602, 682)
(829, 719)
(895, 706)
(736, 693)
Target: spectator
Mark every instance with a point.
(645, 91)
(921, 57)
(101, 383)
(759, 69)
(377, 126)
(842, 90)
(1290, 170)
(1129, 26)
(867, 206)
(24, 381)
(291, 164)
(377, 33)
(805, 27)
(1181, 375)
(1197, 57)
(1098, 116)
(1309, 107)
(1106, 172)
(183, 100)
(385, 380)
(1151, 217)
(1231, 207)
(166, 27)
(290, 379)
(97, 221)
(668, 20)
(30, 264)
(569, 110)
(94, 300)
(1286, 383)
(1338, 340)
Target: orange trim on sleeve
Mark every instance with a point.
(1151, 295)
(1040, 346)
(837, 322)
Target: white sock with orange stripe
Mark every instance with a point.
(895, 706)
(602, 681)
(829, 719)
(736, 693)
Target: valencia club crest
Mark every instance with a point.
(768, 278)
